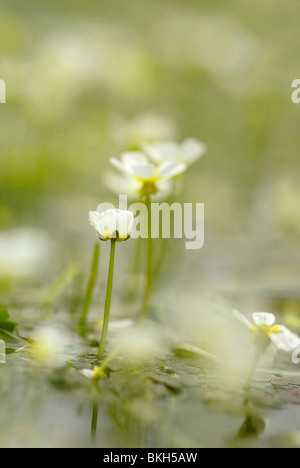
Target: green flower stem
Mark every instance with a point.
(90, 289)
(164, 242)
(248, 384)
(148, 286)
(108, 298)
(109, 358)
(94, 421)
(162, 257)
(129, 292)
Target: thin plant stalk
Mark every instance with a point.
(248, 384)
(148, 286)
(61, 284)
(90, 289)
(129, 293)
(164, 241)
(109, 358)
(108, 299)
(94, 421)
(162, 257)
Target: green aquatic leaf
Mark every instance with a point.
(5, 323)
(2, 352)
(191, 351)
(9, 326)
(4, 315)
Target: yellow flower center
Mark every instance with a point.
(149, 188)
(150, 180)
(264, 328)
(262, 333)
(98, 373)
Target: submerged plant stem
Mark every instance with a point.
(109, 358)
(94, 421)
(90, 289)
(148, 286)
(248, 384)
(108, 299)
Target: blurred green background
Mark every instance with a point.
(221, 70)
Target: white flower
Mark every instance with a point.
(281, 337)
(135, 164)
(187, 152)
(51, 346)
(139, 344)
(119, 183)
(145, 128)
(24, 252)
(112, 224)
(93, 374)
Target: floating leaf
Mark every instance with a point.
(172, 383)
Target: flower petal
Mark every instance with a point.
(94, 217)
(171, 169)
(125, 169)
(134, 158)
(88, 373)
(161, 152)
(145, 172)
(264, 318)
(125, 221)
(285, 340)
(118, 183)
(112, 223)
(192, 150)
(241, 318)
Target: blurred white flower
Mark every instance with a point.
(216, 43)
(49, 346)
(145, 128)
(93, 374)
(139, 344)
(78, 59)
(112, 224)
(264, 324)
(120, 324)
(187, 152)
(136, 165)
(121, 184)
(23, 252)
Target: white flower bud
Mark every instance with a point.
(112, 224)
